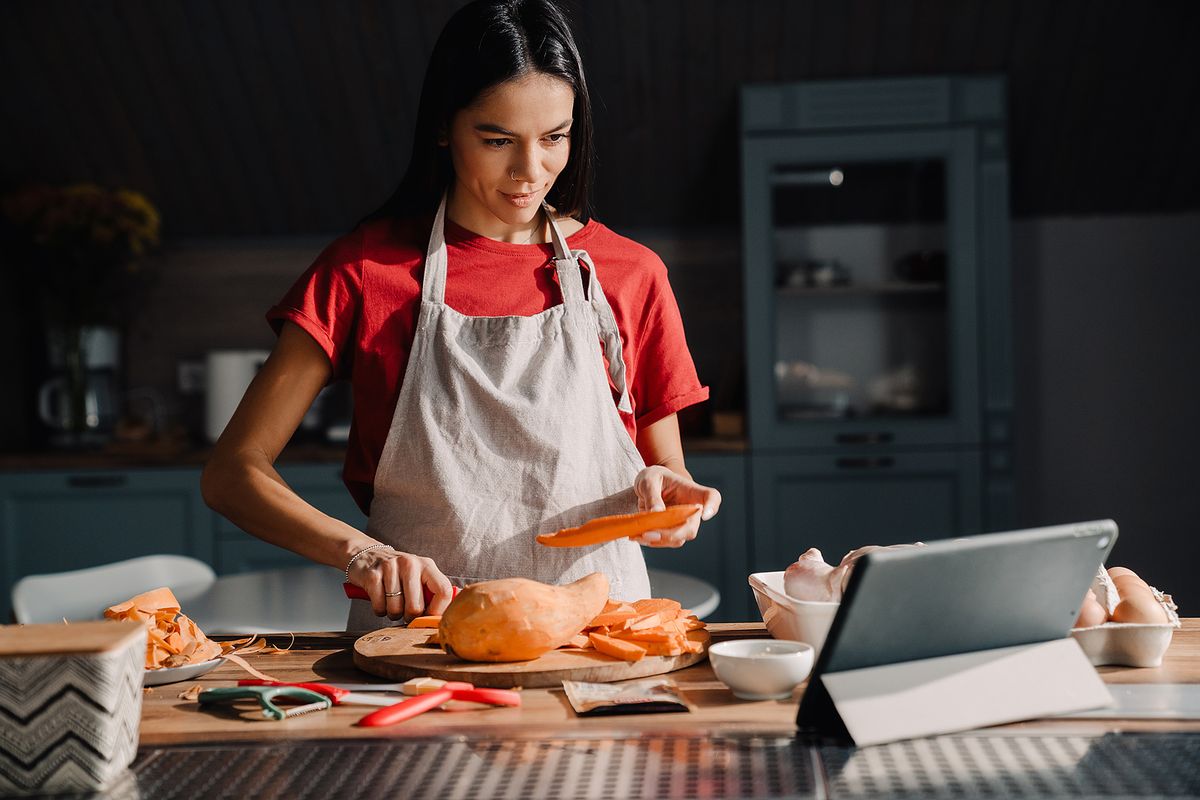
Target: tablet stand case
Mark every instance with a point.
(931, 696)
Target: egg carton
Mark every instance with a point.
(1126, 644)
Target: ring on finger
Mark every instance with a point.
(392, 594)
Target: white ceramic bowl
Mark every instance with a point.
(761, 669)
(789, 618)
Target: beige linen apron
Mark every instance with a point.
(506, 428)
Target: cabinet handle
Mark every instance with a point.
(882, 437)
(97, 481)
(866, 463)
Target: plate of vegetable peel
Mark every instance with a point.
(176, 648)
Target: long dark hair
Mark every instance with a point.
(484, 44)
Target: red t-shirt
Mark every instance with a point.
(360, 300)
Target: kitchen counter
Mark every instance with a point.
(167, 720)
(725, 748)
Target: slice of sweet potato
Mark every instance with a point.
(651, 635)
(615, 617)
(627, 651)
(580, 641)
(619, 526)
(664, 605)
(672, 648)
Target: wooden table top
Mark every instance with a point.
(168, 720)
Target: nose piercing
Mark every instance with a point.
(512, 174)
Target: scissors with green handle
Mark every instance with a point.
(266, 695)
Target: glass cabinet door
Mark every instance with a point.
(866, 282)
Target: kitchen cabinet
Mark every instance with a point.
(877, 307)
(63, 520)
(838, 502)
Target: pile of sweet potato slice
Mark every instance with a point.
(652, 627)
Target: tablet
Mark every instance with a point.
(958, 596)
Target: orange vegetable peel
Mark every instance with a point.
(619, 526)
(173, 640)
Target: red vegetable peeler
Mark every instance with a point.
(355, 592)
(407, 709)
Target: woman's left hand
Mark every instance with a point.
(658, 487)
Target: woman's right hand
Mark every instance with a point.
(387, 571)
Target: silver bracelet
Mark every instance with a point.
(354, 557)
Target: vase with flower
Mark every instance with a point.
(80, 253)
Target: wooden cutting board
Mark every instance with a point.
(400, 653)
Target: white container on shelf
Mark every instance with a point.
(228, 374)
(789, 618)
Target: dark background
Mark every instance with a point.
(276, 118)
(263, 129)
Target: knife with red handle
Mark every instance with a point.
(356, 592)
(407, 709)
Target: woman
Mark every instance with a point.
(515, 365)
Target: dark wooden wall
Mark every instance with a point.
(273, 117)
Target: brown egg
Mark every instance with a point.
(1091, 613)
(1138, 603)
(1121, 572)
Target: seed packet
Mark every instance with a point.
(649, 696)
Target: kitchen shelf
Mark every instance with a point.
(877, 309)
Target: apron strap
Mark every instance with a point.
(570, 282)
(433, 282)
(610, 335)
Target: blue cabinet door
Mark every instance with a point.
(839, 502)
(59, 521)
(718, 554)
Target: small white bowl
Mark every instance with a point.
(761, 669)
(789, 618)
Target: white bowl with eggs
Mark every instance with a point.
(789, 618)
(761, 669)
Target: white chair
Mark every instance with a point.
(83, 594)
